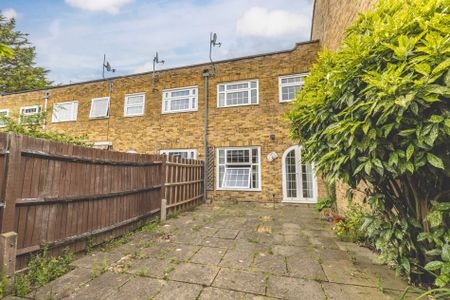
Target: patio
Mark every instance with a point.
(230, 251)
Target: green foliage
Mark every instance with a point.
(377, 112)
(324, 202)
(42, 269)
(349, 228)
(3, 284)
(17, 67)
(32, 126)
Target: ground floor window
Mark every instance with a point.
(3, 114)
(181, 153)
(239, 168)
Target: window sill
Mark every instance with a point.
(178, 112)
(98, 118)
(239, 105)
(67, 121)
(237, 190)
(133, 116)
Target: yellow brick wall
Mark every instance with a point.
(331, 17)
(233, 126)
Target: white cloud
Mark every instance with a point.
(109, 6)
(258, 21)
(9, 13)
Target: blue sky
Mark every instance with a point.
(71, 35)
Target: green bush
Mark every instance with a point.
(377, 112)
(349, 228)
(42, 269)
(33, 128)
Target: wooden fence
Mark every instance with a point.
(63, 195)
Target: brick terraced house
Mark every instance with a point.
(250, 156)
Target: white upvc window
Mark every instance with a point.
(29, 114)
(3, 114)
(99, 108)
(134, 105)
(289, 86)
(237, 93)
(65, 111)
(181, 153)
(180, 100)
(239, 169)
(104, 145)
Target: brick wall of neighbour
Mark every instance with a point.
(228, 127)
(331, 17)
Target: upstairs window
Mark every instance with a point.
(134, 105)
(238, 169)
(3, 114)
(99, 108)
(181, 153)
(237, 93)
(180, 100)
(65, 111)
(29, 114)
(289, 86)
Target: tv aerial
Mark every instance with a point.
(107, 66)
(213, 43)
(156, 61)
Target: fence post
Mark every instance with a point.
(8, 248)
(8, 238)
(13, 180)
(163, 210)
(163, 188)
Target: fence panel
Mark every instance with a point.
(61, 195)
(184, 183)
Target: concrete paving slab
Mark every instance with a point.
(151, 267)
(242, 281)
(194, 273)
(305, 268)
(270, 264)
(218, 242)
(101, 287)
(174, 290)
(139, 288)
(209, 255)
(294, 288)
(229, 234)
(237, 259)
(63, 286)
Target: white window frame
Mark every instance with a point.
(227, 170)
(281, 85)
(92, 108)
(225, 84)
(74, 111)
(37, 107)
(104, 145)
(170, 99)
(218, 164)
(188, 151)
(6, 115)
(125, 105)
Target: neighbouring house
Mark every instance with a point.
(250, 156)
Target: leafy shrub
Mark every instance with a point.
(324, 202)
(42, 269)
(349, 228)
(377, 112)
(33, 128)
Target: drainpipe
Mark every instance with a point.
(205, 136)
(46, 96)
